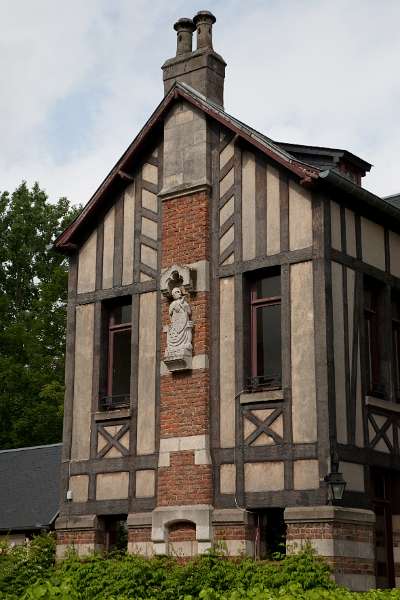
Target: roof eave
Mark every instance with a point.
(354, 190)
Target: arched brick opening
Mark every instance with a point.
(181, 539)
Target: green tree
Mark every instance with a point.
(33, 293)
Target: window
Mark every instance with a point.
(118, 363)
(373, 345)
(265, 301)
(396, 346)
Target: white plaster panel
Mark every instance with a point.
(150, 173)
(226, 155)
(351, 246)
(79, 485)
(227, 478)
(248, 206)
(394, 245)
(373, 243)
(273, 212)
(128, 235)
(149, 228)
(339, 352)
(145, 483)
(108, 249)
(264, 476)
(148, 256)
(354, 476)
(112, 486)
(147, 373)
(87, 265)
(336, 229)
(227, 182)
(300, 217)
(226, 211)
(304, 415)
(149, 201)
(227, 362)
(226, 239)
(81, 416)
(306, 474)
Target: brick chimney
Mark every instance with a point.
(203, 69)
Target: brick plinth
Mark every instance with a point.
(83, 534)
(344, 536)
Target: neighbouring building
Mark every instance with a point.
(29, 491)
(233, 342)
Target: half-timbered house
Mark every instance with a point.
(233, 342)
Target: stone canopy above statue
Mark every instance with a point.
(177, 276)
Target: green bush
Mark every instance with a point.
(23, 565)
(29, 573)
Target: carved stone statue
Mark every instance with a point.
(179, 336)
(178, 355)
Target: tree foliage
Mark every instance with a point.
(33, 291)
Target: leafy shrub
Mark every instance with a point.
(23, 565)
(29, 573)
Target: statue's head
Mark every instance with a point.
(176, 293)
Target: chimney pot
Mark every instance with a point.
(204, 21)
(184, 29)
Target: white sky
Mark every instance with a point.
(79, 78)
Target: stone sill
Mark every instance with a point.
(385, 404)
(262, 396)
(106, 415)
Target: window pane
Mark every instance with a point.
(122, 314)
(269, 341)
(268, 287)
(121, 363)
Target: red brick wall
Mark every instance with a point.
(184, 396)
(139, 534)
(184, 482)
(320, 531)
(185, 229)
(74, 536)
(184, 404)
(182, 531)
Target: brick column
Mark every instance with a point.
(343, 536)
(184, 479)
(85, 535)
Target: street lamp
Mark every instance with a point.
(336, 483)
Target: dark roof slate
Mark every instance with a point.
(393, 200)
(29, 487)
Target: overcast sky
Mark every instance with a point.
(79, 78)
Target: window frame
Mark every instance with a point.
(108, 400)
(372, 314)
(395, 331)
(255, 304)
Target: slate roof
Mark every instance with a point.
(29, 487)
(393, 200)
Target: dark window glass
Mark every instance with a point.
(121, 364)
(117, 388)
(396, 346)
(269, 341)
(372, 304)
(266, 344)
(268, 287)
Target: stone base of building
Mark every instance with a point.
(343, 536)
(181, 531)
(82, 534)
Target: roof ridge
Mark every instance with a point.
(30, 448)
